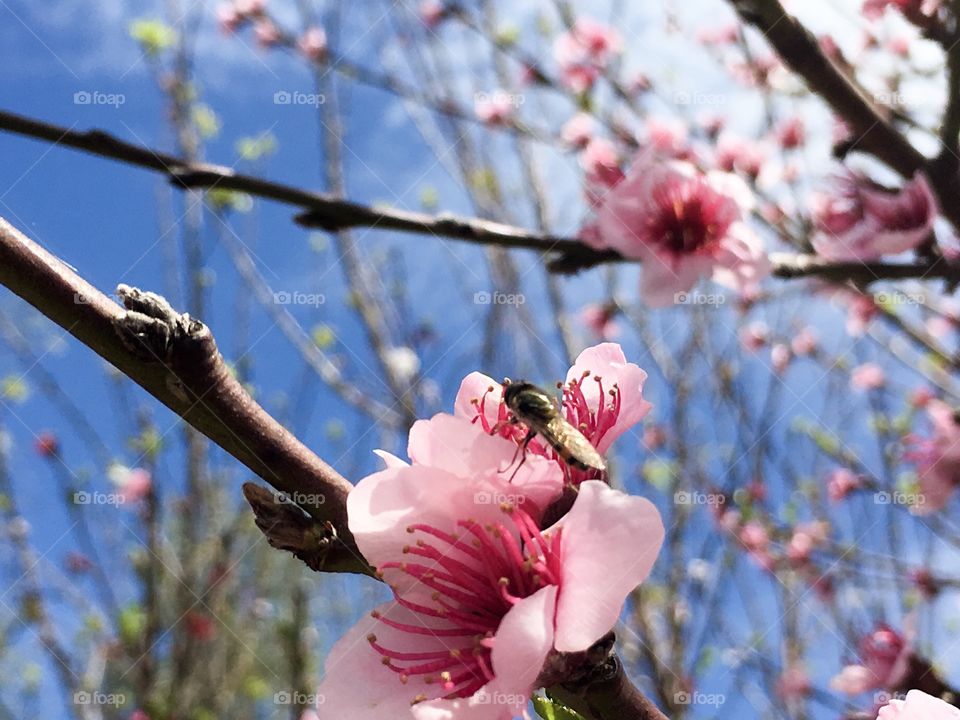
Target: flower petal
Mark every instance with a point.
(356, 684)
(609, 544)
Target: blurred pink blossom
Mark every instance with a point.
(937, 458)
(313, 44)
(868, 376)
(494, 108)
(860, 220)
(683, 225)
(578, 130)
(841, 483)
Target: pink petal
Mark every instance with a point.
(919, 706)
(607, 361)
(853, 680)
(523, 641)
(609, 544)
(475, 386)
(356, 684)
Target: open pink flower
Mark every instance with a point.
(602, 397)
(860, 220)
(884, 655)
(601, 164)
(918, 706)
(913, 10)
(937, 458)
(683, 225)
(482, 597)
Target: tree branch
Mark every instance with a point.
(868, 121)
(564, 254)
(175, 359)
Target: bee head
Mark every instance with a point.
(513, 391)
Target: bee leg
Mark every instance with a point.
(522, 446)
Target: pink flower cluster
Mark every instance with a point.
(584, 51)
(682, 224)
(486, 599)
(937, 458)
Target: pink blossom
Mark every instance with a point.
(494, 108)
(228, 19)
(921, 396)
(601, 320)
(133, 483)
(860, 220)
(913, 10)
(791, 133)
(250, 8)
(918, 706)
(868, 376)
(432, 12)
(754, 336)
(602, 396)
(841, 483)
(683, 225)
(885, 658)
(780, 358)
(578, 130)
(654, 437)
(754, 536)
(718, 35)
(584, 51)
(482, 597)
(579, 78)
(804, 342)
(601, 163)
(266, 33)
(794, 683)
(668, 137)
(587, 42)
(47, 444)
(899, 45)
(313, 44)
(937, 458)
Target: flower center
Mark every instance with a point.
(476, 575)
(688, 217)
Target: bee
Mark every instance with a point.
(538, 410)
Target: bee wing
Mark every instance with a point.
(570, 442)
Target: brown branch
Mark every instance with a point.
(610, 696)
(564, 254)
(175, 359)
